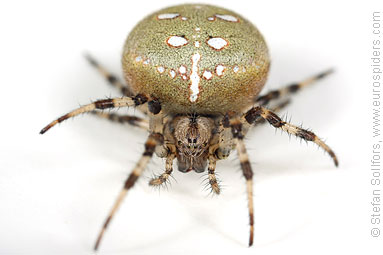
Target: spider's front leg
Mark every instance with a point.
(238, 133)
(154, 140)
(104, 104)
(256, 112)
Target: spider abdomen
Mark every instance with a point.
(196, 58)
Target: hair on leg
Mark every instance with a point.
(211, 174)
(153, 140)
(256, 112)
(238, 135)
(100, 105)
(164, 177)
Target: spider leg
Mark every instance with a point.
(259, 111)
(100, 104)
(131, 120)
(238, 135)
(211, 173)
(153, 140)
(165, 175)
(112, 79)
(290, 89)
(277, 108)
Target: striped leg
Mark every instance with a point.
(291, 89)
(236, 129)
(277, 108)
(212, 178)
(164, 177)
(256, 112)
(100, 104)
(131, 120)
(153, 140)
(112, 79)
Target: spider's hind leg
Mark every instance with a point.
(128, 119)
(293, 88)
(112, 79)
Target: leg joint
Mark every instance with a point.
(140, 99)
(154, 106)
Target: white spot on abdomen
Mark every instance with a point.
(207, 75)
(220, 69)
(138, 59)
(160, 69)
(227, 17)
(172, 73)
(217, 43)
(182, 69)
(194, 77)
(168, 16)
(176, 41)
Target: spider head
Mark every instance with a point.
(192, 134)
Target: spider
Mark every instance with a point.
(196, 71)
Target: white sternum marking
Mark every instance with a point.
(194, 77)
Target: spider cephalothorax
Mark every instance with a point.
(196, 71)
(192, 135)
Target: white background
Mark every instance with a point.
(56, 189)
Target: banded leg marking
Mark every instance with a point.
(277, 122)
(150, 145)
(290, 89)
(100, 104)
(248, 173)
(131, 120)
(236, 129)
(112, 79)
(277, 108)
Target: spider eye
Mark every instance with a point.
(179, 143)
